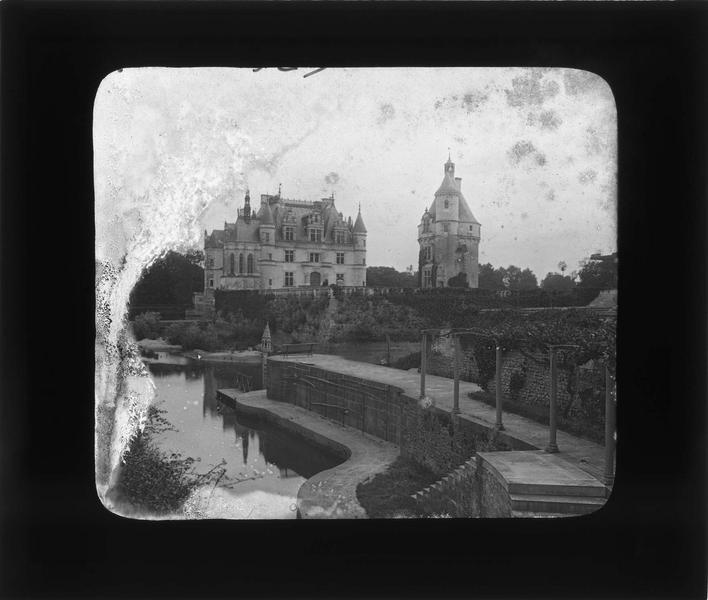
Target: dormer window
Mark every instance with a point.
(315, 235)
(339, 237)
(289, 234)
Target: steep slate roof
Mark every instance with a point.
(273, 212)
(359, 226)
(265, 215)
(452, 188)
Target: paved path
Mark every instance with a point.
(330, 493)
(587, 455)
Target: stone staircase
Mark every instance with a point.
(544, 485)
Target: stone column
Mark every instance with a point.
(456, 385)
(423, 362)
(498, 379)
(610, 408)
(552, 446)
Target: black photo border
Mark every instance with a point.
(56, 539)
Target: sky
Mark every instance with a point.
(176, 149)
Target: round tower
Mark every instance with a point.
(359, 241)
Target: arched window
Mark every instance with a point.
(240, 263)
(232, 263)
(250, 263)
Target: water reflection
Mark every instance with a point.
(259, 458)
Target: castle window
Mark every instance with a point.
(446, 227)
(427, 279)
(363, 261)
(339, 237)
(267, 237)
(210, 262)
(270, 283)
(314, 257)
(428, 253)
(447, 203)
(240, 263)
(426, 226)
(340, 278)
(340, 258)
(288, 279)
(289, 256)
(232, 263)
(270, 256)
(289, 234)
(250, 263)
(315, 235)
(211, 283)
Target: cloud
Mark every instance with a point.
(331, 178)
(523, 149)
(547, 119)
(530, 89)
(386, 113)
(587, 176)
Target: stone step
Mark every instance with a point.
(590, 490)
(521, 514)
(578, 505)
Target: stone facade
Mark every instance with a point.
(286, 244)
(449, 236)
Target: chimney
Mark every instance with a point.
(458, 183)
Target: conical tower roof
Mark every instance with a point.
(359, 226)
(266, 215)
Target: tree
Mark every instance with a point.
(458, 281)
(170, 280)
(490, 278)
(555, 282)
(599, 272)
(389, 277)
(516, 279)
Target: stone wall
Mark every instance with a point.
(469, 491)
(526, 385)
(424, 434)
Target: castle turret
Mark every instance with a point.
(359, 240)
(449, 236)
(247, 207)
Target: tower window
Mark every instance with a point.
(270, 256)
(428, 253)
(446, 227)
(471, 228)
(447, 203)
(211, 283)
(427, 279)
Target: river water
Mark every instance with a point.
(265, 465)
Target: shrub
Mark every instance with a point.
(152, 480)
(147, 326)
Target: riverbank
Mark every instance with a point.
(330, 493)
(161, 345)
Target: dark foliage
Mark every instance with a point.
(389, 277)
(170, 280)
